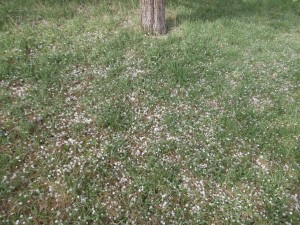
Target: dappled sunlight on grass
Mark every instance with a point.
(101, 124)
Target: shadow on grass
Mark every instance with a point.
(210, 10)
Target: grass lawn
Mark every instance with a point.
(101, 124)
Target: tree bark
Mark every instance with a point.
(147, 15)
(153, 16)
(159, 26)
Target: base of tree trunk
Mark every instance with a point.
(153, 16)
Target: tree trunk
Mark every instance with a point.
(153, 16)
(159, 25)
(147, 15)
